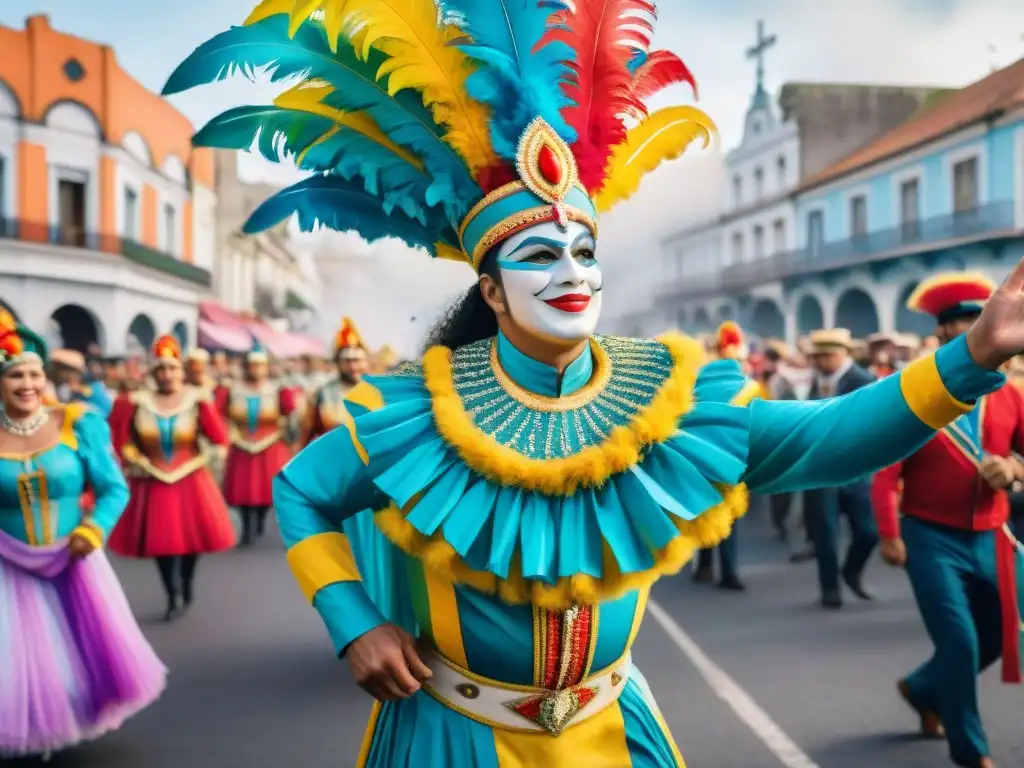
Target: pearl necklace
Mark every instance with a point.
(25, 427)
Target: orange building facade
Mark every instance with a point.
(107, 228)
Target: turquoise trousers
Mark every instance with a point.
(953, 575)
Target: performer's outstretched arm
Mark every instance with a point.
(800, 445)
(102, 472)
(326, 483)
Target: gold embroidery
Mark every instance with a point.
(591, 391)
(25, 499)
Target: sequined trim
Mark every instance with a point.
(563, 646)
(629, 373)
(33, 490)
(539, 134)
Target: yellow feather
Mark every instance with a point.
(445, 251)
(331, 15)
(268, 8)
(663, 136)
(420, 57)
(309, 96)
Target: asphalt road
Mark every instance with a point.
(253, 683)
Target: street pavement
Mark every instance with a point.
(253, 682)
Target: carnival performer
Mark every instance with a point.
(328, 408)
(73, 662)
(197, 373)
(69, 386)
(947, 526)
(730, 344)
(176, 512)
(257, 411)
(540, 478)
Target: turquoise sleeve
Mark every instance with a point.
(347, 612)
(102, 471)
(324, 484)
(799, 445)
(100, 399)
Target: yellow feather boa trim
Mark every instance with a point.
(438, 555)
(591, 466)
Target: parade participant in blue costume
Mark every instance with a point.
(538, 477)
(954, 540)
(69, 371)
(73, 662)
(730, 344)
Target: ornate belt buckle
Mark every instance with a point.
(553, 711)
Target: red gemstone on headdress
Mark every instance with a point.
(549, 164)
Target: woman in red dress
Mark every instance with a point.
(176, 512)
(257, 411)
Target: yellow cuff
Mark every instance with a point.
(320, 560)
(926, 395)
(130, 453)
(750, 391)
(88, 533)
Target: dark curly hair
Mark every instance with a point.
(469, 319)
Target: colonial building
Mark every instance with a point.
(944, 190)
(106, 212)
(783, 146)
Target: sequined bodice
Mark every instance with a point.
(254, 412)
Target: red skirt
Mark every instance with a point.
(186, 518)
(248, 476)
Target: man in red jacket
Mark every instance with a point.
(954, 541)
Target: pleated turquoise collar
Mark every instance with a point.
(542, 379)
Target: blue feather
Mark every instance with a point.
(638, 60)
(345, 151)
(520, 79)
(402, 117)
(280, 130)
(333, 202)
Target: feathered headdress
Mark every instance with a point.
(450, 124)
(729, 341)
(950, 295)
(18, 344)
(347, 341)
(166, 351)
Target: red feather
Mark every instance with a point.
(604, 34)
(662, 69)
(729, 335)
(11, 343)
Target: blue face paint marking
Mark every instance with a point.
(584, 238)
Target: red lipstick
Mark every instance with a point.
(571, 302)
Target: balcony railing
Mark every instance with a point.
(77, 237)
(987, 221)
(992, 220)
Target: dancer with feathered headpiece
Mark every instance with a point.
(538, 478)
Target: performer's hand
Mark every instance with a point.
(998, 471)
(998, 334)
(79, 546)
(386, 664)
(894, 552)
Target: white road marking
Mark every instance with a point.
(729, 691)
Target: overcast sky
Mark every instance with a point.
(930, 42)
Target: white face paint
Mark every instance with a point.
(552, 281)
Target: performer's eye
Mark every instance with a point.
(541, 257)
(585, 255)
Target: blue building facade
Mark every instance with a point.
(945, 190)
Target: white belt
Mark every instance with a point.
(523, 708)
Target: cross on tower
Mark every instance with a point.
(758, 51)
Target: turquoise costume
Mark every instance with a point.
(534, 508)
(75, 664)
(490, 567)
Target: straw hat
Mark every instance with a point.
(828, 341)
